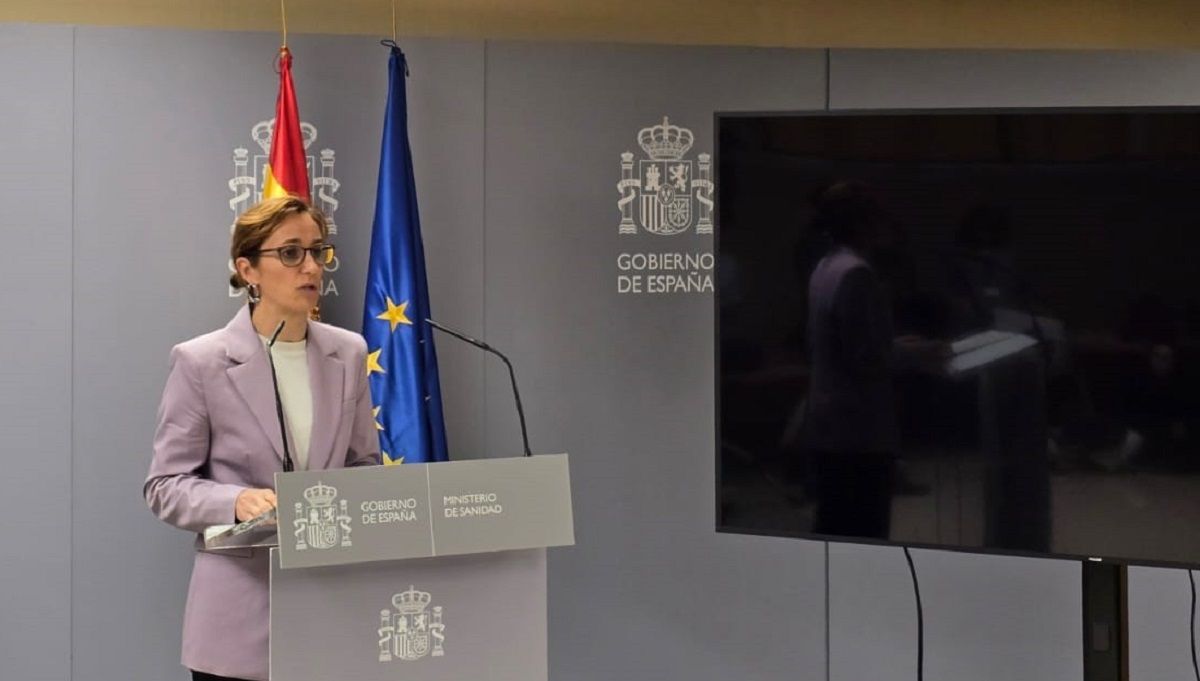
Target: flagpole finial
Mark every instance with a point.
(391, 45)
(283, 54)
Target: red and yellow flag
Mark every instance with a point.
(287, 173)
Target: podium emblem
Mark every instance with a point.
(412, 629)
(667, 194)
(324, 524)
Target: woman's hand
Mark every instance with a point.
(252, 503)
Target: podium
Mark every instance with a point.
(1012, 474)
(422, 572)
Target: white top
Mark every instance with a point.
(295, 391)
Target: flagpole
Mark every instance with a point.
(393, 20)
(283, 21)
(315, 313)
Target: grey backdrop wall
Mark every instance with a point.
(119, 149)
(624, 382)
(35, 344)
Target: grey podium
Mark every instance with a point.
(421, 572)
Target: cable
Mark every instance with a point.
(1192, 638)
(921, 619)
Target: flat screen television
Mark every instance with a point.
(962, 329)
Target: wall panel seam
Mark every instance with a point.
(484, 250)
(828, 79)
(828, 658)
(71, 378)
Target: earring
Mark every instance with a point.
(253, 294)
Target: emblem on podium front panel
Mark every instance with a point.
(322, 522)
(412, 629)
(249, 173)
(664, 191)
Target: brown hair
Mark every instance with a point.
(257, 224)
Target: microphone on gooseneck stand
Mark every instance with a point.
(288, 466)
(511, 374)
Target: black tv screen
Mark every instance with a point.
(972, 330)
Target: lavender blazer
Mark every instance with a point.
(218, 434)
(850, 402)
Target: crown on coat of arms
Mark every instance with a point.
(265, 130)
(411, 602)
(320, 495)
(665, 142)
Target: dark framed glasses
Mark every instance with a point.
(293, 254)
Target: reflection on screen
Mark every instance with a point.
(962, 330)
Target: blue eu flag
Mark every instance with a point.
(401, 364)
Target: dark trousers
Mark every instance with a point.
(201, 676)
(854, 493)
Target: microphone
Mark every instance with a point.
(511, 374)
(288, 466)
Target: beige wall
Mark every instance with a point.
(1162, 24)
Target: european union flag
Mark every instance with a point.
(402, 362)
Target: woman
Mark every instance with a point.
(218, 443)
(851, 423)
(852, 431)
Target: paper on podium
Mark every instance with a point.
(981, 349)
(262, 530)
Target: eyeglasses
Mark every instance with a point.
(292, 254)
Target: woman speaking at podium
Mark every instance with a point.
(218, 442)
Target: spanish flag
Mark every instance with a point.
(287, 173)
